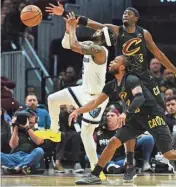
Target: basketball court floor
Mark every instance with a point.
(163, 180)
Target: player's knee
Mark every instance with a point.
(170, 154)
(114, 143)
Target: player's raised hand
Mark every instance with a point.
(55, 10)
(121, 119)
(72, 116)
(72, 21)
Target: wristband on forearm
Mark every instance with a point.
(82, 19)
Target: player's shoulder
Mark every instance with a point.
(111, 83)
(130, 78)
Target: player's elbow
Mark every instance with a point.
(65, 45)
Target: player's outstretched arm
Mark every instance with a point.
(60, 11)
(88, 107)
(157, 53)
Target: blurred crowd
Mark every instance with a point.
(24, 151)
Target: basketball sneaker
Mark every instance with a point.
(172, 164)
(130, 174)
(90, 179)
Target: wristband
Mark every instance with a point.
(83, 21)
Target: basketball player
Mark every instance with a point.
(143, 113)
(132, 39)
(94, 73)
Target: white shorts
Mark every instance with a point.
(77, 97)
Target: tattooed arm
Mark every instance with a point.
(96, 51)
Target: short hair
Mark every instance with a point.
(31, 95)
(170, 98)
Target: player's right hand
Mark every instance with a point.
(121, 119)
(72, 116)
(55, 10)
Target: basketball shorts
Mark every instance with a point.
(77, 97)
(155, 124)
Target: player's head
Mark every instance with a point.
(104, 36)
(130, 16)
(123, 64)
(118, 65)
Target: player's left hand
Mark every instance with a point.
(72, 21)
(121, 119)
(72, 116)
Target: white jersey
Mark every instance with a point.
(94, 75)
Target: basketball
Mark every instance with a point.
(31, 15)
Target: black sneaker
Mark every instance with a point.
(172, 164)
(26, 170)
(89, 180)
(130, 174)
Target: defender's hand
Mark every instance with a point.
(55, 10)
(121, 119)
(72, 116)
(72, 21)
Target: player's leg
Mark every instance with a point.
(122, 135)
(130, 172)
(55, 100)
(158, 128)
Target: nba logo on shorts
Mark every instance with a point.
(94, 113)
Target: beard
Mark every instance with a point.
(126, 24)
(113, 71)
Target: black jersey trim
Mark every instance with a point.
(74, 97)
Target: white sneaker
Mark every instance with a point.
(77, 168)
(146, 166)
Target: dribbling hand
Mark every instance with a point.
(55, 10)
(72, 116)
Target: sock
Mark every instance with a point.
(97, 170)
(130, 157)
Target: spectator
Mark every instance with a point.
(171, 116)
(25, 151)
(70, 139)
(5, 134)
(155, 68)
(30, 90)
(7, 101)
(70, 77)
(169, 80)
(145, 143)
(170, 92)
(44, 121)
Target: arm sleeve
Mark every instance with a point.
(139, 99)
(66, 41)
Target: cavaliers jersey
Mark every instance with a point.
(134, 44)
(93, 75)
(124, 90)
